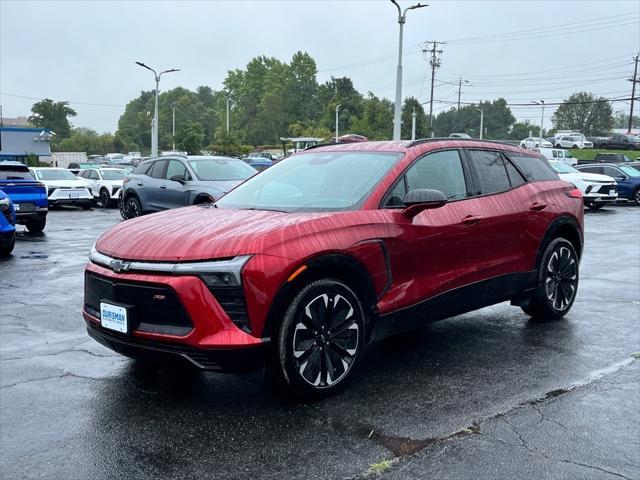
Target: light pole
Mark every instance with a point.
(228, 100)
(541, 102)
(154, 125)
(413, 124)
(402, 17)
(481, 122)
(173, 128)
(337, 119)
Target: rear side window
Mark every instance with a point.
(591, 170)
(158, 169)
(143, 168)
(490, 171)
(17, 174)
(534, 168)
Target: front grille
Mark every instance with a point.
(231, 299)
(604, 189)
(155, 309)
(115, 190)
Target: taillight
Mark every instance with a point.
(573, 192)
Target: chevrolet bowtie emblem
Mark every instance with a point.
(119, 266)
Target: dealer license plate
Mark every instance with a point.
(113, 317)
(74, 195)
(612, 193)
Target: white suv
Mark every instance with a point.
(106, 184)
(63, 187)
(535, 142)
(572, 141)
(597, 190)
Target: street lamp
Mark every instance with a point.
(481, 121)
(228, 101)
(154, 125)
(402, 17)
(337, 118)
(413, 124)
(541, 102)
(173, 128)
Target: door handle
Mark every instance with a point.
(471, 219)
(140, 184)
(164, 187)
(537, 206)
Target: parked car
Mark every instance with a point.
(572, 141)
(622, 141)
(628, 178)
(259, 156)
(352, 138)
(597, 190)
(7, 225)
(29, 197)
(177, 181)
(459, 135)
(338, 246)
(598, 141)
(535, 142)
(63, 187)
(558, 154)
(611, 158)
(260, 165)
(106, 184)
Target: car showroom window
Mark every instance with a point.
(491, 172)
(176, 169)
(439, 171)
(158, 169)
(534, 168)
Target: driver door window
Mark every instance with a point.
(176, 169)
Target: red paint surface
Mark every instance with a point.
(429, 254)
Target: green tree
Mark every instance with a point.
(190, 138)
(498, 120)
(520, 130)
(422, 130)
(89, 141)
(584, 112)
(621, 120)
(54, 115)
(376, 122)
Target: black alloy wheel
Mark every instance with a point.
(319, 340)
(636, 196)
(558, 276)
(132, 208)
(105, 198)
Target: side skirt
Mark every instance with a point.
(512, 286)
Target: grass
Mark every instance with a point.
(590, 153)
(380, 467)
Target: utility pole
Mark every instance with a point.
(633, 81)
(402, 18)
(434, 61)
(337, 119)
(413, 124)
(460, 89)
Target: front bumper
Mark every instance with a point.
(172, 316)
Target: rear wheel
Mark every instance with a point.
(319, 340)
(6, 250)
(131, 208)
(636, 196)
(557, 282)
(36, 226)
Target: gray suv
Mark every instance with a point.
(177, 181)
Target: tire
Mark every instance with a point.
(105, 198)
(558, 146)
(86, 206)
(308, 359)
(636, 196)
(131, 208)
(576, 146)
(36, 226)
(6, 250)
(557, 282)
(537, 146)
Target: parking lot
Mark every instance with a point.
(489, 394)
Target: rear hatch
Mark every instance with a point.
(22, 188)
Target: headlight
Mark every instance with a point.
(215, 273)
(588, 189)
(5, 203)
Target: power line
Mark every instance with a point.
(68, 101)
(547, 104)
(633, 81)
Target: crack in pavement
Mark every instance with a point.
(53, 377)
(80, 350)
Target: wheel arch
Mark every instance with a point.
(562, 227)
(338, 266)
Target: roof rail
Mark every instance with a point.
(420, 141)
(328, 144)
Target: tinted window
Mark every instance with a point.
(176, 169)
(490, 171)
(221, 169)
(158, 169)
(94, 175)
(439, 171)
(17, 174)
(112, 174)
(591, 169)
(55, 174)
(535, 169)
(143, 168)
(612, 172)
(515, 177)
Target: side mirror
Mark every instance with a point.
(620, 178)
(422, 199)
(178, 178)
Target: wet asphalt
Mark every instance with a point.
(489, 394)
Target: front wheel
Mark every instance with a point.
(319, 340)
(557, 282)
(36, 226)
(131, 208)
(105, 198)
(6, 250)
(636, 196)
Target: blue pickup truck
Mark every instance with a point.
(29, 196)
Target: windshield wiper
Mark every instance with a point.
(265, 209)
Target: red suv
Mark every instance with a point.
(336, 247)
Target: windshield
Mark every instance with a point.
(632, 172)
(221, 169)
(322, 181)
(563, 167)
(567, 154)
(55, 175)
(112, 174)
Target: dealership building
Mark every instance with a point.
(20, 143)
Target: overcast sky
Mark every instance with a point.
(84, 51)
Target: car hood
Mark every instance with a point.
(64, 183)
(113, 183)
(202, 233)
(596, 177)
(216, 188)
